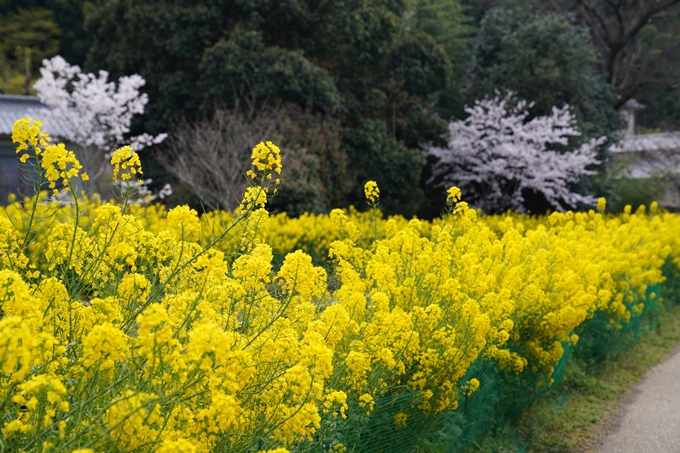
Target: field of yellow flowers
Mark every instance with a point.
(135, 329)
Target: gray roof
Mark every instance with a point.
(667, 141)
(633, 104)
(13, 107)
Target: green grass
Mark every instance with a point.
(579, 411)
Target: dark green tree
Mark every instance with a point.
(547, 59)
(638, 41)
(447, 22)
(662, 108)
(32, 28)
(360, 61)
(26, 37)
(660, 90)
(69, 15)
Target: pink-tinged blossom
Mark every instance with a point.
(495, 154)
(98, 111)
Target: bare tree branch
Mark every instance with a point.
(212, 156)
(615, 28)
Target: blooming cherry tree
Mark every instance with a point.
(97, 112)
(495, 154)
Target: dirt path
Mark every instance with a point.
(648, 419)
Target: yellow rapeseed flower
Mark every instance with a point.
(371, 191)
(266, 157)
(24, 134)
(126, 160)
(59, 163)
(453, 195)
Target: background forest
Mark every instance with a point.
(352, 90)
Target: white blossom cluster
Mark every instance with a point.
(98, 112)
(495, 154)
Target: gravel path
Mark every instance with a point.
(649, 419)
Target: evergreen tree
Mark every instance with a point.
(546, 59)
(26, 37)
(360, 61)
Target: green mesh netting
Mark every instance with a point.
(501, 397)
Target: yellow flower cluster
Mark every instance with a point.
(266, 158)
(127, 160)
(55, 160)
(25, 133)
(453, 195)
(130, 328)
(59, 163)
(372, 191)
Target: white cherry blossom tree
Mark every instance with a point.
(96, 111)
(495, 154)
